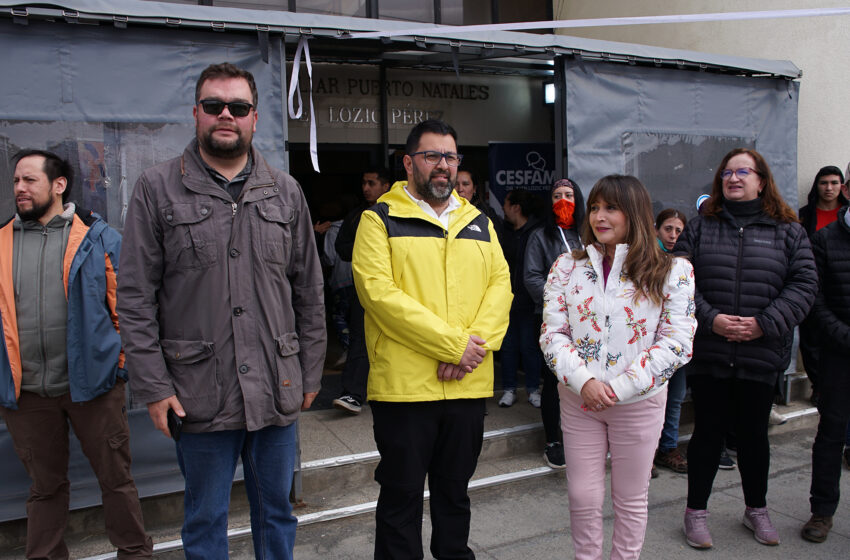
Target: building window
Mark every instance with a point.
(405, 10)
(355, 8)
(466, 12)
(447, 12)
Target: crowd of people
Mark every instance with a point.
(610, 313)
(730, 286)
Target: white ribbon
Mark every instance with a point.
(563, 238)
(293, 89)
(604, 22)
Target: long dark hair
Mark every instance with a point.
(550, 227)
(772, 203)
(647, 266)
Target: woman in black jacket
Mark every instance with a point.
(756, 281)
(562, 221)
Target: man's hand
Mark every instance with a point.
(159, 409)
(448, 372)
(321, 227)
(474, 354)
(308, 400)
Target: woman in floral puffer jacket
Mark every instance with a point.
(618, 321)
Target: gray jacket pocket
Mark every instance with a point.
(192, 366)
(276, 236)
(189, 239)
(289, 393)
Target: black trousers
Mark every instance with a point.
(720, 406)
(810, 352)
(550, 406)
(443, 440)
(355, 373)
(550, 401)
(834, 408)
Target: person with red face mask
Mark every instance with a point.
(558, 235)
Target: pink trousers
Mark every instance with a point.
(630, 432)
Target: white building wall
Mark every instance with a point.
(820, 46)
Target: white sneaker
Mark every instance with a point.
(534, 399)
(508, 398)
(776, 419)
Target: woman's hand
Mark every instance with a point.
(736, 329)
(748, 329)
(597, 395)
(726, 325)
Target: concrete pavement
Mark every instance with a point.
(530, 519)
(522, 518)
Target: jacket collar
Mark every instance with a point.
(57, 222)
(401, 206)
(595, 255)
(762, 218)
(197, 179)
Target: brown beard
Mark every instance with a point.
(428, 191)
(36, 212)
(231, 150)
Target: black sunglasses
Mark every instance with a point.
(215, 107)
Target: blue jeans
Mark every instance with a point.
(676, 388)
(521, 344)
(208, 463)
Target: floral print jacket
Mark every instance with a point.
(594, 330)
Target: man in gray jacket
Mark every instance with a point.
(220, 295)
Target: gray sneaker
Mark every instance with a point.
(696, 528)
(776, 419)
(757, 520)
(534, 399)
(508, 398)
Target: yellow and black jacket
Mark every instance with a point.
(425, 291)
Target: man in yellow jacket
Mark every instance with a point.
(431, 276)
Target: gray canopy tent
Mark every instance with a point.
(109, 84)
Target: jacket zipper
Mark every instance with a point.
(738, 287)
(41, 312)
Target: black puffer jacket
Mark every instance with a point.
(542, 251)
(763, 270)
(831, 312)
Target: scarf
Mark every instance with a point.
(563, 210)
